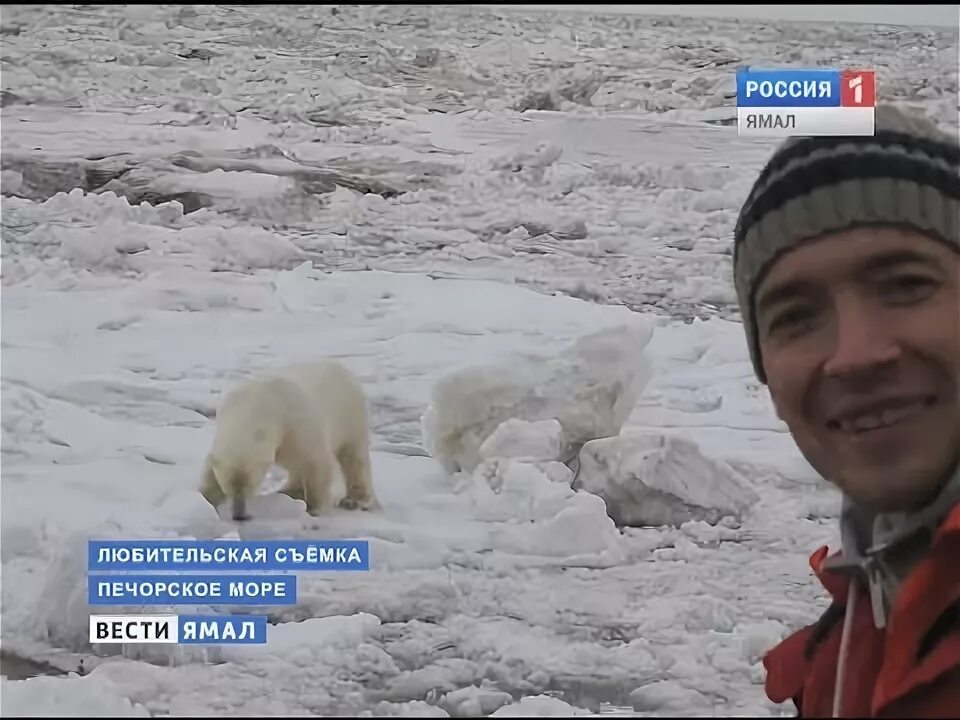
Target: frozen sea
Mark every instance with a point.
(195, 193)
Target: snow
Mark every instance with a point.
(362, 186)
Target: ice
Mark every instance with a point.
(135, 239)
(652, 479)
(541, 514)
(474, 701)
(61, 612)
(195, 194)
(239, 249)
(503, 490)
(580, 533)
(590, 388)
(539, 706)
(73, 696)
(664, 697)
(292, 639)
(522, 440)
(415, 708)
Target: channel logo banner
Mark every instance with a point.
(227, 555)
(259, 589)
(179, 629)
(790, 102)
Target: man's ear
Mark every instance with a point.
(776, 405)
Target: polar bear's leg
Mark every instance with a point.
(294, 486)
(209, 487)
(357, 476)
(316, 477)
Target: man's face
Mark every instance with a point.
(860, 338)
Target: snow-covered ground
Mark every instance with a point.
(368, 189)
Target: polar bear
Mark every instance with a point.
(307, 418)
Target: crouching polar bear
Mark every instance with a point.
(307, 418)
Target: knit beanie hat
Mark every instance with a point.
(907, 174)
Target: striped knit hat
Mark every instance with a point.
(907, 174)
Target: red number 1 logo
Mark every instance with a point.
(858, 88)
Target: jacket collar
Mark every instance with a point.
(882, 549)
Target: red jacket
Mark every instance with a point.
(910, 669)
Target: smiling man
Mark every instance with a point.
(847, 267)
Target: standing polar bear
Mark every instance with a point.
(307, 418)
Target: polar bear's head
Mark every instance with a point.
(240, 478)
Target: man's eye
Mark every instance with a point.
(907, 288)
(791, 319)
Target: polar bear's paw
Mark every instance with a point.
(349, 503)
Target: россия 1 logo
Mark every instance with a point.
(788, 103)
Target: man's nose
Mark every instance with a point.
(864, 338)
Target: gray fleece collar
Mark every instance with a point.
(882, 548)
